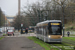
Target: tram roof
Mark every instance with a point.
(47, 21)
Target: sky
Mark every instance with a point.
(10, 7)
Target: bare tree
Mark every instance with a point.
(2, 18)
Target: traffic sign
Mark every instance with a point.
(21, 24)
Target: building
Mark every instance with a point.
(3, 19)
(10, 19)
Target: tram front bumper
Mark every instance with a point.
(55, 40)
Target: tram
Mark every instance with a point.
(49, 31)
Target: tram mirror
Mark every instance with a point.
(61, 27)
(49, 25)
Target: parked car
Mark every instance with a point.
(10, 32)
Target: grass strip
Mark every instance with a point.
(69, 41)
(1, 38)
(42, 44)
(4, 34)
(69, 38)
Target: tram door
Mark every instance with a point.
(45, 31)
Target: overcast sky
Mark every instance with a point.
(10, 7)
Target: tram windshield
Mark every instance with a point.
(55, 30)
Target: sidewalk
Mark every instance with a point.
(24, 35)
(18, 43)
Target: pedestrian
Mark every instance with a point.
(68, 33)
(26, 30)
(7, 31)
(13, 34)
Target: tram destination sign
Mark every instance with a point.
(55, 23)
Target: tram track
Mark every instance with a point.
(56, 46)
(69, 42)
(60, 46)
(63, 44)
(53, 46)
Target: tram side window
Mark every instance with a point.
(45, 31)
(37, 30)
(40, 30)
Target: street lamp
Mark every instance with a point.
(39, 14)
(39, 11)
(62, 3)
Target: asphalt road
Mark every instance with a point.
(18, 43)
(1, 34)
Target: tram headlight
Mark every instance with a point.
(49, 36)
(61, 36)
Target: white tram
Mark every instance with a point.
(49, 31)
